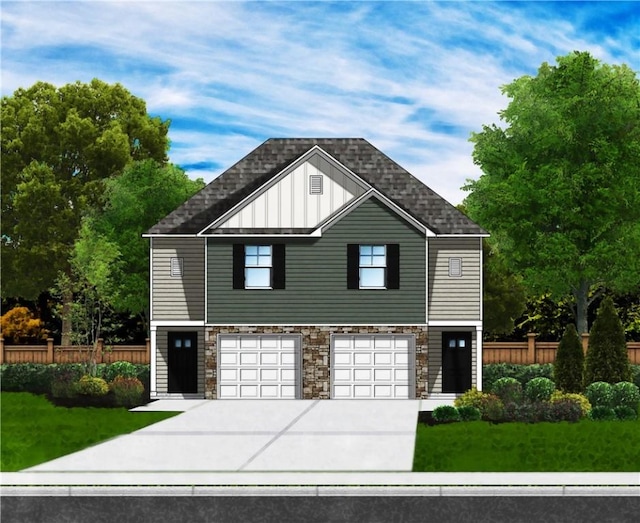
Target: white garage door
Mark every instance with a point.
(258, 366)
(372, 366)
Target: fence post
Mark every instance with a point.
(99, 349)
(50, 350)
(147, 342)
(531, 347)
(1, 350)
(585, 342)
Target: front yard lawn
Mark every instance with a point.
(478, 446)
(33, 431)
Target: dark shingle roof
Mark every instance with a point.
(274, 155)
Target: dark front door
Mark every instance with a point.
(456, 361)
(183, 362)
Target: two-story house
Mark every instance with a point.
(315, 268)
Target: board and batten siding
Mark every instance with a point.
(434, 384)
(288, 204)
(178, 298)
(451, 297)
(316, 277)
(162, 357)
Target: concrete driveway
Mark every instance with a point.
(260, 435)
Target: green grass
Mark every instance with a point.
(586, 446)
(33, 431)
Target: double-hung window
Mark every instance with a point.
(372, 266)
(257, 266)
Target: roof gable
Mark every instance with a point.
(276, 154)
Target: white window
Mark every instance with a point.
(257, 266)
(177, 265)
(373, 266)
(315, 184)
(455, 267)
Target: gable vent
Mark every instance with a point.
(176, 267)
(455, 267)
(315, 184)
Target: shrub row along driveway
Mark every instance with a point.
(260, 435)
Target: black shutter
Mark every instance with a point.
(278, 267)
(393, 266)
(353, 266)
(238, 266)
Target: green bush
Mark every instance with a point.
(635, 374)
(469, 413)
(509, 390)
(626, 394)
(523, 373)
(472, 398)
(600, 394)
(585, 405)
(565, 410)
(65, 379)
(533, 412)
(624, 413)
(26, 377)
(602, 413)
(491, 408)
(127, 391)
(90, 386)
(607, 356)
(120, 368)
(539, 389)
(568, 368)
(446, 413)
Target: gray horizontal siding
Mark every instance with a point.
(162, 358)
(452, 298)
(316, 277)
(178, 298)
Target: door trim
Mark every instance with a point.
(468, 336)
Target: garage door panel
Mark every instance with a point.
(258, 366)
(371, 366)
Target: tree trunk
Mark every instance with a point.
(581, 295)
(67, 301)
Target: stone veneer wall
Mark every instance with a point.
(316, 364)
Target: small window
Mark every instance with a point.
(455, 267)
(177, 265)
(373, 266)
(257, 263)
(315, 184)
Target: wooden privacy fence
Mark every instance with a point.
(74, 354)
(532, 351)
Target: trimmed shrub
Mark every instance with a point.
(568, 368)
(446, 413)
(626, 394)
(90, 386)
(523, 373)
(127, 391)
(601, 413)
(635, 374)
(511, 411)
(509, 390)
(534, 412)
(607, 357)
(565, 410)
(65, 378)
(26, 377)
(471, 398)
(624, 413)
(539, 389)
(120, 368)
(580, 399)
(600, 394)
(468, 413)
(491, 408)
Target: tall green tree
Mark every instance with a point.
(58, 147)
(568, 369)
(560, 189)
(135, 201)
(607, 356)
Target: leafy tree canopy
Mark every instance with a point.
(58, 147)
(560, 190)
(135, 201)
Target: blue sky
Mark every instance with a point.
(413, 78)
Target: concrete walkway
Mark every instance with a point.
(283, 447)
